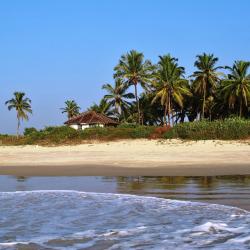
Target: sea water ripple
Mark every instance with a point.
(80, 220)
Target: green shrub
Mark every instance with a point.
(228, 129)
(171, 134)
(141, 132)
(107, 133)
(128, 125)
(29, 131)
(50, 134)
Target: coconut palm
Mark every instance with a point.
(170, 85)
(236, 87)
(22, 105)
(117, 96)
(103, 108)
(71, 108)
(152, 113)
(134, 70)
(205, 78)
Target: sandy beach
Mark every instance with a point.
(129, 157)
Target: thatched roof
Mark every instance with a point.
(91, 117)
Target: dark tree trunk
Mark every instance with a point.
(240, 107)
(138, 104)
(168, 111)
(203, 104)
(165, 116)
(18, 125)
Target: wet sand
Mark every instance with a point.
(129, 158)
(120, 170)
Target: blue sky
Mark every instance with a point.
(62, 49)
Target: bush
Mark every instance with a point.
(170, 134)
(108, 133)
(50, 135)
(29, 131)
(128, 125)
(141, 132)
(228, 129)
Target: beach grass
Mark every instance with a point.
(230, 129)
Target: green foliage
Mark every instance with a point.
(117, 96)
(67, 135)
(71, 108)
(141, 132)
(171, 134)
(128, 125)
(22, 105)
(229, 129)
(29, 131)
(170, 85)
(50, 135)
(134, 70)
(111, 133)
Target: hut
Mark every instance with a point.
(90, 119)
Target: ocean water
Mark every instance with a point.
(85, 220)
(224, 190)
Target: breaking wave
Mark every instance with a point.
(79, 220)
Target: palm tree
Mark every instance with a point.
(152, 113)
(22, 105)
(170, 85)
(206, 78)
(236, 87)
(71, 108)
(117, 96)
(103, 108)
(134, 70)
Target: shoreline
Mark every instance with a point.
(103, 170)
(129, 158)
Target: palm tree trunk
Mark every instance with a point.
(172, 113)
(142, 118)
(117, 111)
(240, 107)
(18, 125)
(168, 123)
(138, 104)
(169, 111)
(182, 116)
(203, 105)
(165, 115)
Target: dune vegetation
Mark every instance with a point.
(229, 129)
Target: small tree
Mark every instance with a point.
(236, 87)
(71, 108)
(117, 96)
(22, 105)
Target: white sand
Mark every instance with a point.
(129, 156)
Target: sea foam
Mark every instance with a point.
(78, 220)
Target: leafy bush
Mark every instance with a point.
(128, 125)
(107, 133)
(229, 129)
(29, 131)
(170, 134)
(50, 134)
(141, 132)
